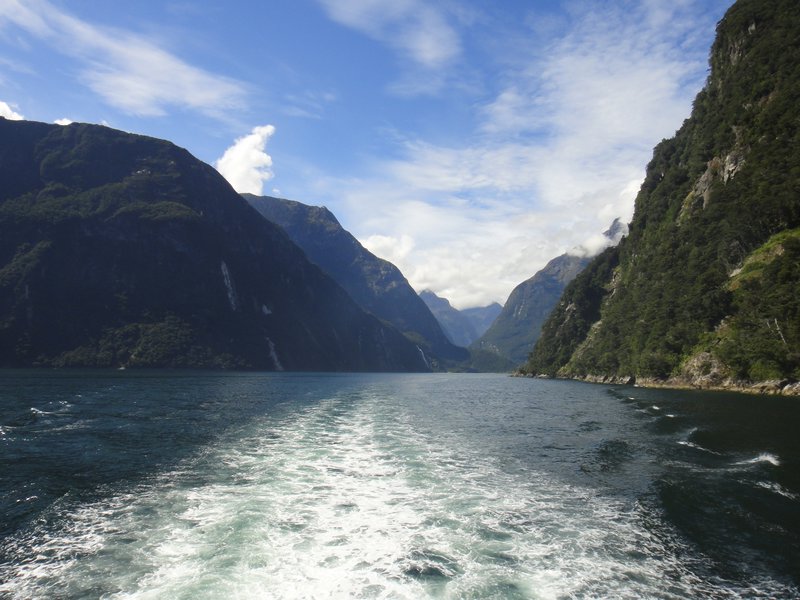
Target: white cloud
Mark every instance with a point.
(127, 70)
(393, 249)
(63, 121)
(9, 113)
(556, 155)
(417, 29)
(309, 104)
(246, 165)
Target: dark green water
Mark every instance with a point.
(187, 485)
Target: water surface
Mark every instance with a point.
(187, 485)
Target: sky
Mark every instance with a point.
(468, 142)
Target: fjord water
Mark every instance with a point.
(187, 485)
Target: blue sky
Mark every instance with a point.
(468, 142)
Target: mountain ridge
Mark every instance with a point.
(121, 250)
(375, 284)
(704, 290)
(517, 327)
(456, 326)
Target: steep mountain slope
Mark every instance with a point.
(514, 332)
(516, 329)
(375, 284)
(482, 317)
(123, 250)
(706, 288)
(458, 328)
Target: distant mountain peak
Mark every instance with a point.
(375, 284)
(518, 325)
(703, 289)
(599, 242)
(616, 231)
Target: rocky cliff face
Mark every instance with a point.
(704, 290)
(122, 250)
(375, 284)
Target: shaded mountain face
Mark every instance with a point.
(375, 284)
(458, 328)
(482, 317)
(123, 250)
(516, 329)
(705, 289)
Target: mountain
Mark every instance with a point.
(705, 290)
(375, 284)
(516, 329)
(482, 317)
(462, 327)
(458, 328)
(119, 250)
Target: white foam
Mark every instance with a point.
(698, 447)
(778, 489)
(764, 457)
(350, 497)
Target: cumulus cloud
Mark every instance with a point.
(63, 121)
(246, 165)
(128, 70)
(9, 113)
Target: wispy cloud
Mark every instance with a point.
(129, 71)
(9, 113)
(419, 30)
(557, 153)
(246, 165)
(307, 105)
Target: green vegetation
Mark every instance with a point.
(762, 340)
(123, 250)
(574, 315)
(716, 199)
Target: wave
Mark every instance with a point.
(778, 489)
(764, 457)
(689, 444)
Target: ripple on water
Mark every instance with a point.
(374, 508)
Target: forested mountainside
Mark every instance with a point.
(119, 250)
(375, 284)
(705, 290)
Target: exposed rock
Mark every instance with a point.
(704, 370)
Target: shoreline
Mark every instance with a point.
(761, 388)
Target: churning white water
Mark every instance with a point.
(351, 496)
